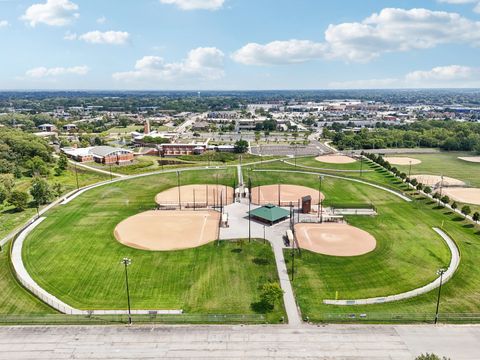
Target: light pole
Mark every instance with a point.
(264, 237)
(76, 176)
(110, 172)
(361, 165)
(126, 262)
(178, 185)
(439, 272)
(320, 200)
(249, 209)
(410, 169)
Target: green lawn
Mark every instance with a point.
(11, 219)
(74, 255)
(448, 164)
(14, 299)
(407, 256)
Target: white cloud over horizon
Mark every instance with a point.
(98, 37)
(44, 72)
(437, 77)
(390, 30)
(195, 4)
(4, 23)
(203, 63)
(52, 13)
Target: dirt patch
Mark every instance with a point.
(463, 195)
(436, 181)
(202, 195)
(397, 160)
(335, 159)
(473, 159)
(334, 239)
(168, 230)
(270, 194)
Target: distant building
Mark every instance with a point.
(69, 127)
(167, 150)
(47, 128)
(100, 154)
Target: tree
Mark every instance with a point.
(419, 187)
(62, 162)
(466, 210)
(414, 182)
(40, 191)
(437, 196)
(19, 199)
(476, 216)
(37, 166)
(428, 356)
(271, 293)
(445, 199)
(427, 190)
(3, 194)
(241, 146)
(454, 205)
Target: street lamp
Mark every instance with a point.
(410, 169)
(320, 213)
(178, 186)
(249, 209)
(126, 262)
(439, 272)
(76, 175)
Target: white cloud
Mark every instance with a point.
(390, 30)
(400, 30)
(203, 63)
(196, 4)
(477, 8)
(101, 20)
(457, 2)
(451, 76)
(443, 73)
(279, 52)
(53, 13)
(44, 72)
(4, 23)
(70, 36)
(106, 37)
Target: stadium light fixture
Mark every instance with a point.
(439, 272)
(126, 262)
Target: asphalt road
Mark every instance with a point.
(239, 342)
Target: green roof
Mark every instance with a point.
(270, 213)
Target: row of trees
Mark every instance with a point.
(444, 199)
(447, 135)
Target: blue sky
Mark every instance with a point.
(239, 44)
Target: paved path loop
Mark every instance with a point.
(454, 263)
(92, 168)
(346, 342)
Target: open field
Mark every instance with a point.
(10, 219)
(447, 164)
(14, 299)
(216, 278)
(196, 196)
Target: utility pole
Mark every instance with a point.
(126, 262)
(249, 210)
(76, 176)
(320, 200)
(178, 186)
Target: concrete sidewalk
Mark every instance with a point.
(351, 342)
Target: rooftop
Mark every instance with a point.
(270, 213)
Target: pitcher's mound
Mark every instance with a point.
(269, 194)
(168, 230)
(334, 239)
(398, 160)
(198, 196)
(473, 159)
(436, 181)
(335, 159)
(463, 195)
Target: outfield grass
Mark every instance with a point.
(74, 255)
(407, 256)
(446, 163)
(15, 299)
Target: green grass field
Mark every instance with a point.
(74, 255)
(11, 219)
(448, 164)
(15, 299)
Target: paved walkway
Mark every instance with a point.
(347, 342)
(454, 263)
(92, 168)
(239, 229)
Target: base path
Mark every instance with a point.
(334, 239)
(473, 159)
(283, 194)
(204, 195)
(335, 159)
(394, 160)
(168, 230)
(334, 342)
(454, 263)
